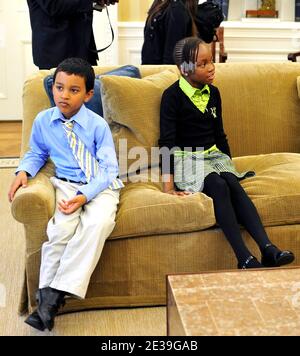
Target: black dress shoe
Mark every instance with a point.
(273, 257)
(49, 302)
(251, 262)
(35, 321)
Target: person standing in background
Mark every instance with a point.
(208, 19)
(168, 22)
(63, 29)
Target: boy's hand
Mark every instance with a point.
(175, 192)
(19, 181)
(68, 207)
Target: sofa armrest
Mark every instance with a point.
(36, 202)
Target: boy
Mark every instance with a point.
(80, 144)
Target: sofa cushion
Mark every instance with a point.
(132, 108)
(275, 190)
(145, 210)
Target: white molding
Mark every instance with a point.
(130, 36)
(128, 25)
(255, 23)
(280, 25)
(262, 37)
(259, 50)
(237, 9)
(245, 41)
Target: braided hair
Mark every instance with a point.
(186, 53)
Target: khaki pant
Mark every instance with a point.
(75, 242)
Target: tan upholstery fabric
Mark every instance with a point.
(158, 234)
(260, 106)
(145, 210)
(131, 271)
(275, 190)
(131, 107)
(298, 86)
(35, 98)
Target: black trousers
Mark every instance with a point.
(233, 207)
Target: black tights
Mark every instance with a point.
(233, 206)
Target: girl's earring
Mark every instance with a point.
(186, 74)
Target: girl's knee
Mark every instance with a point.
(232, 181)
(215, 186)
(221, 187)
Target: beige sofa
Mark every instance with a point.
(156, 233)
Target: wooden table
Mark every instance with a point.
(248, 302)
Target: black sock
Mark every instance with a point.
(217, 188)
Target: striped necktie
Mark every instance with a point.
(87, 162)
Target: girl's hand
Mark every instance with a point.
(68, 207)
(175, 192)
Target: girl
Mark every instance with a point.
(168, 22)
(191, 117)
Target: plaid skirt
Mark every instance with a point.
(191, 168)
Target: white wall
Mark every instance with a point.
(237, 9)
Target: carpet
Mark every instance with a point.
(109, 322)
(9, 162)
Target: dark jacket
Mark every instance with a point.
(165, 30)
(61, 29)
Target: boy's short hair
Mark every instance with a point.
(186, 53)
(78, 67)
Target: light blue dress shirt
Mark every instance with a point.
(48, 139)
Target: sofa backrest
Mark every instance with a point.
(35, 98)
(261, 107)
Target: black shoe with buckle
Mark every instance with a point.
(49, 301)
(251, 262)
(273, 257)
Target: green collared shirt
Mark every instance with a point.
(199, 97)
